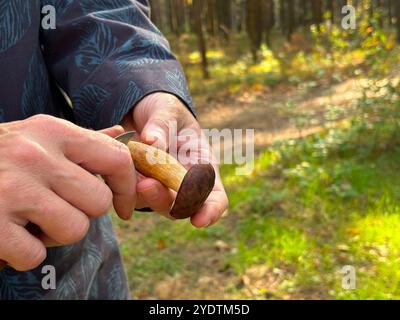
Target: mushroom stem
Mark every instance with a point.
(192, 186)
(157, 164)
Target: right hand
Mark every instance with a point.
(47, 168)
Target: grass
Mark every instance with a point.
(310, 208)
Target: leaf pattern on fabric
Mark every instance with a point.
(114, 282)
(36, 91)
(109, 38)
(126, 101)
(61, 6)
(107, 231)
(90, 6)
(177, 83)
(90, 260)
(15, 20)
(88, 103)
(142, 51)
(19, 285)
(97, 45)
(67, 289)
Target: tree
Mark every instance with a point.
(397, 15)
(331, 8)
(291, 19)
(317, 12)
(156, 13)
(254, 23)
(224, 13)
(212, 18)
(269, 14)
(198, 6)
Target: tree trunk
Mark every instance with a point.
(180, 16)
(331, 8)
(211, 17)
(317, 12)
(390, 12)
(156, 13)
(254, 23)
(291, 19)
(282, 16)
(269, 14)
(303, 8)
(170, 16)
(397, 15)
(198, 6)
(224, 13)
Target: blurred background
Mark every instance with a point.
(325, 189)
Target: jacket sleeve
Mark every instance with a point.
(107, 55)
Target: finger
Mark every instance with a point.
(21, 250)
(45, 239)
(113, 131)
(81, 189)
(57, 219)
(156, 133)
(103, 155)
(124, 195)
(213, 208)
(211, 211)
(156, 196)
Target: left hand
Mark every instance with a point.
(152, 118)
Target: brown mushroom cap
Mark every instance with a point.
(194, 191)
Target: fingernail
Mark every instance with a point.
(118, 127)
(208, 224)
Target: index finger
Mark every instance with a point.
(101, 154)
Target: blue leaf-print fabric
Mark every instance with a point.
(15, 19)
(105, 55)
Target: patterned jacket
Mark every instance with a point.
(104, 55)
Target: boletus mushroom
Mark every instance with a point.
(193, 186)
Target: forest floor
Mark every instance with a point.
(272, 112)
(292, 224)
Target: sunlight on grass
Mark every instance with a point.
(375, 245)
(309, 206)
(270, 240)
(213, 55)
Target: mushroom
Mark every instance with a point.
(193, 186)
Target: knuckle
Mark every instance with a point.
(43, 120)
(9, 184)
(34, 256)
(123, 157)
(75, 230)
(74, 227)
(104, 199)
(31, 255)
(27, 152)
(48, 123)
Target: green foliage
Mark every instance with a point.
(310, 206)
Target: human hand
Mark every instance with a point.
(47, 168)
(152, 118)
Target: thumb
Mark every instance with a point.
(113, 131)
(156, 133)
